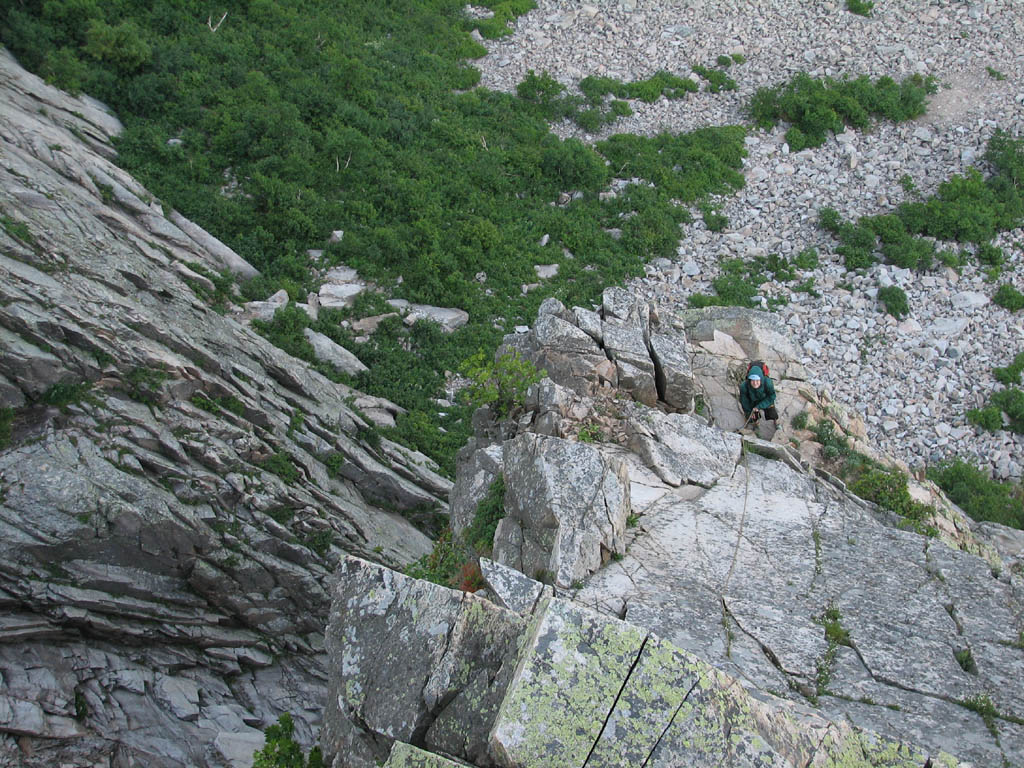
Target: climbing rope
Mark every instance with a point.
(743, 517)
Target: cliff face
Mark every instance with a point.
(168, 524)
(714, 598)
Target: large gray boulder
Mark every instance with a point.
(623, 346)
(566, 506)
(803, 590)
(413, 662)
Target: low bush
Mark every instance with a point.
(6, 420)
(860, 7)
(895, 300)
(977, 494)
(1010, 374)
(817, 107)
(500, 384)
(281, 464)
(1008, 297)
(716, 79)
(479, 535)
(282, 751)
(66, 392)
(872, 481)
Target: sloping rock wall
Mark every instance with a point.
(575, 688)
(756, 559)
(177, 491)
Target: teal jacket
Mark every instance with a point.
(763, 397)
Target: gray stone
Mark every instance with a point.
(566, 508)
(673, 371)
(512, 589)
(440, 677)
(330, 352)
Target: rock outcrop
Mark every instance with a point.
(571, 687)
(177, 491)
(753, 611)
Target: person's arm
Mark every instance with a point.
(746, 402)
(769, 395)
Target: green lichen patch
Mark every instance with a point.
(658, 685)
(407, 756)
(572, 667)
(715, 726)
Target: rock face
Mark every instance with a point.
(573, 688)
(177, 491)
(566, 508)
(752, 611)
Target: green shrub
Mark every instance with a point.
(990, 418)
(66, 392)
(319, 542)
(995, 74)
(981, 497)
(501, 384)
(830, 220)
(1011, 402)
(6, 420)
(282, 751)
(723, 60)
(217, 404)
(735, 287)
(442, 563)
(1008, 297)
(713, 220)
(965, 658)
(807, 258)
(1010, 375)
(479, 535)
(860, 7)
(835, 634)
(990, 255)
(505, 11)
(143, 384)
(716, 79)
(816, 108)
(888, 489)
(895, 300)
(283, 465)
(334, 461)
(800, 420)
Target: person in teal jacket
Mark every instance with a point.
(757, 396)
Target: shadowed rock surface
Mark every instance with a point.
(168, 524)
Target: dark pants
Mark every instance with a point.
(769, 413)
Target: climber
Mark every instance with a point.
(757, 394)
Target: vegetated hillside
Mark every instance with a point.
(275, 124)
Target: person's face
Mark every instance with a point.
(755, 383)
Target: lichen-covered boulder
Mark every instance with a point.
(569, 676)
(407, 756)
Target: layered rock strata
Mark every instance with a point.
(177, 491)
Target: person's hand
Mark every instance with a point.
(757, 413)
